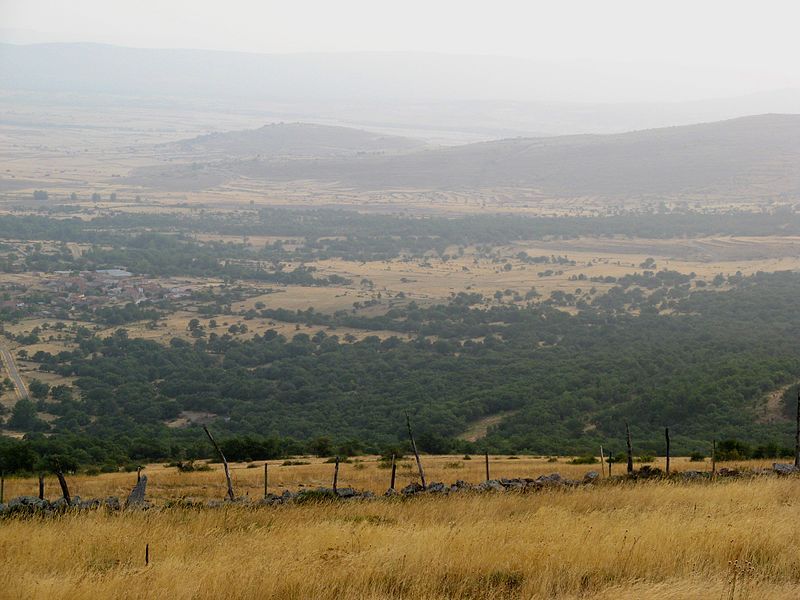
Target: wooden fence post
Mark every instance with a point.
(610, 460)
(64, 489)
(602, 462)
(231, 496)
(336, 474)
(416, 453)
(630, 449)
(394, 472)
(146, 554)
(487, 465)
(797, 435)
(2, 486)
(138, 474)
(666, 435)
(713, 458)
(41, 486)
(266, 479)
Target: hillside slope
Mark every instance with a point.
(750, 157)
(297, 140)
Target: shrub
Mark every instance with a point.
(696, 457)
(586, 459)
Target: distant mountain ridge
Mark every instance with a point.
(756, 156)
(296, 140)
(440, 97)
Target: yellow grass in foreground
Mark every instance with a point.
(732, 539)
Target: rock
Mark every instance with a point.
(783, 469)
(549, 480)
(112, 503)
(287, 495)
(60, 504)
(391, 492)
(726, 472)
(89, 504)
(437, 488)
(367, 495)
(462, 485)
(270, 500)
(492, 486)
(591, 477)
(136, 497)
(514, 484)
(31, 503)
(411, 489)
(3, 509)
(346, 492)
(692, 475)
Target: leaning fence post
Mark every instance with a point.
(487, 465)
(336, 474)
(224, 463)
(630, 449)
(63, 483)
(666, 435)
(416, 453)
(394, 472)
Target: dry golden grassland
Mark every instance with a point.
(364, 473)
(733, 539)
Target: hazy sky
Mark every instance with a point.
(752, 45)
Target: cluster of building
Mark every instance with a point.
(91, 289)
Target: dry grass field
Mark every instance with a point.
(733, 539)
(363, 473)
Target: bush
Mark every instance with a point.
(586, 459)
(189, 466)
(697, 457)
(646, 458)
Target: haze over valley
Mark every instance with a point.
(534, 268)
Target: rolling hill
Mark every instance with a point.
(749, 157)
(293, 140)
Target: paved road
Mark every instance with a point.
(13, 373)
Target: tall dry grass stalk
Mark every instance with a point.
(732, 539)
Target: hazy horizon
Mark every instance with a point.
(618, 52)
